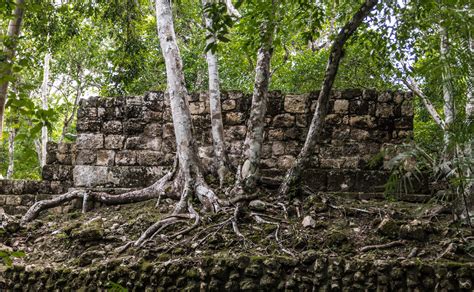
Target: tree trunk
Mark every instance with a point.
(11, 152)
(13, 33)
(249, 173)
(448, 105)
(44, 106)
(317, 122)
(68, 120)
(217, 130)
(189, 163)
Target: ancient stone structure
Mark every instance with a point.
(312, 272)
(128, 142)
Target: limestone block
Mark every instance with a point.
(292, 148)
(407, 109)
(359, 107)
(365, 121)
(114, 141)
(233, 118)
(359, 134)
(155, 115)
(276, 135)
(84, 112)
(134, 100)
(133, 143)
(235, 132)
(149, 158)
(278, 148)
(153, 130)
(228, 105)
(126, 157)
(86, 157)
(283, 121)
(385, 97)
(286, 162)
(112, 127)
(133, 176)
(341, 106)
(92, 126)
(333, 119)
(197, 108)
(13, 200)
(266, 151)
(295, 103)
(301, 120)
(133, 126)
(90, 141)
(168, 130)
(90, 176)
(234, 94)
(154, 100)
(384, 110)
(106, 157)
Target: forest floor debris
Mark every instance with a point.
(373, 229)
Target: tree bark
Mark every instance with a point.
(249, 173)
(426, 102)
(11, 153)
(217, 127)
(189, 163)
(448, 105)
(317, 123)
(13, 33)
(44, 106)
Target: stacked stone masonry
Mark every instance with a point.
(248, 273)
(128, 142)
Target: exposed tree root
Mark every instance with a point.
(382, 246)
(151, 192)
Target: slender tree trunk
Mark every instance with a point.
(317, 122)
(231, 9)
(448, 105)
(249, 172)
(189, 163)
(68, 119)
(44, 106)
(217, 130)
(11, 152)
(13, 33)
(426, 102)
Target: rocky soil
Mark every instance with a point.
(323, 224)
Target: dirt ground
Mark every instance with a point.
(318, 223)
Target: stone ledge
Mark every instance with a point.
(311, 272)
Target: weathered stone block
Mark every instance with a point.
(154, 100)
(197, 108)
(233, 118)
(114, 141)
(296, 103)
(153, 130)
(384, 110)
(83, 126)
(134, 126)
(283, 121)
(228, 105)
(359, 135)
(112, 127)
(278, 148)
(86, 157)
(341, 106)
(149, 158)
(90, 141)
(126, 157)
(235, 132)
(90, 176)
(359, 107)
(106, 157)
(366, 121)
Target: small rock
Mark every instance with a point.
(308, 221)
(257, 205)
(416, 230)
(388, 227)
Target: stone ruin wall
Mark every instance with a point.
(128, 142)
